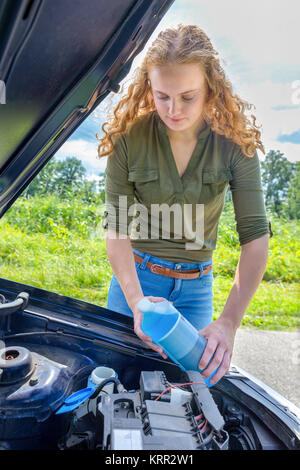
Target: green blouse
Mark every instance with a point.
(175, 218)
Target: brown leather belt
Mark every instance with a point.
(188, 274)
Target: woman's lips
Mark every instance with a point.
(175, 120)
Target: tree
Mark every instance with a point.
(85, 191)
(69, 176)
(43, 182)
(277, 173)
(292, 206)
(64, 178)
(101, 186)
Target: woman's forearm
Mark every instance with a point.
(250, 270)
(120, 256)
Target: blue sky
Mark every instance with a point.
(259, 48)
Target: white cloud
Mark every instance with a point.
(93, 177)
(85, 151)
(269, 94)
(266, 96)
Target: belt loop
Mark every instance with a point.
(201, 270)
(145, 261)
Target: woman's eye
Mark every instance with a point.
(164, 98)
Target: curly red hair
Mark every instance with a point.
(223, 111)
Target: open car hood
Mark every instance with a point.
(58, 61)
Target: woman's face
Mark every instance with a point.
(179, 92)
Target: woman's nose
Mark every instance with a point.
(174, 108)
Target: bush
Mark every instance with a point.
(283, 261)
(48, 214)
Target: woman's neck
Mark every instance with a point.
(188, 135)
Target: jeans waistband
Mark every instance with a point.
(170, 264)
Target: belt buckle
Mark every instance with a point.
(156, 268)
(206, 269)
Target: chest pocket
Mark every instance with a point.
(214, 182)
(146, 185)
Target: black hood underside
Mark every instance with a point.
(58, 61)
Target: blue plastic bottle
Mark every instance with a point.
(177, 337)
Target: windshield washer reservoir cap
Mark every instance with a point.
(74, 400)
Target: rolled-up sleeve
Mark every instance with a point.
(248, 198)
(119, 192)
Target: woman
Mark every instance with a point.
(176, 140)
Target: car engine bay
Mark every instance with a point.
(46, 401)
(157, 415)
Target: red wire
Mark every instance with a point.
(202, 424)
(179, 385)
(199, 417)
(204, 429)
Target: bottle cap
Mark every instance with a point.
(74, 400)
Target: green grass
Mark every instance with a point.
(275, 305)
(74, 267)
(58, 246)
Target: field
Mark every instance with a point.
(59, 246)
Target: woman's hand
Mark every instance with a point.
(220, 339)
(138, 317)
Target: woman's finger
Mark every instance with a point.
(156, 299)
(208, 353)
(223, 369)
(138, 317)
(145, 338)
(157, 349)
(216, 361)
(140, 333)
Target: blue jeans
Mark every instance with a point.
(192, 297)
